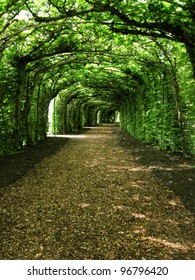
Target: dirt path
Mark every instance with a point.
(99, 197)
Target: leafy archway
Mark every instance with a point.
(97, 57)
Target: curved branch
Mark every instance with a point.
(68, 14)
(156, 29)
(148, 33)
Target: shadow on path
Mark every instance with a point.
(174, 171)
(15, 166)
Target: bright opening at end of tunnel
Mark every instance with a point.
(66, 118)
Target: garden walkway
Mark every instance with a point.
(101, 195)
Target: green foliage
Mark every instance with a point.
(96, 58)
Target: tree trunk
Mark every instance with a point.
(29, 94)
(21, 82)
(176, 91)
(191, 52)
(37, 114)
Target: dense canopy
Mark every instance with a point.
(95, 61)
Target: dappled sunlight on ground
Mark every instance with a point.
(179, 167)
(128, 168)
(172, 245)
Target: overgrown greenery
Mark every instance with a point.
(97, 58)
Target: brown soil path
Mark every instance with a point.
(100, 196)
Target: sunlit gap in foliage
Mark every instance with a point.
(51, 124)
(50, 116)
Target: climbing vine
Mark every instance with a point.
(95, 60)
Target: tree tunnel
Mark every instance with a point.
(97, 62)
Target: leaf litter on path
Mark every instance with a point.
(93, 199)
